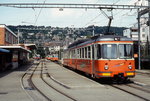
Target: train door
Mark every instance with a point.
(93, 60)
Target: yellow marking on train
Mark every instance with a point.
(130, 74)
(106, 74)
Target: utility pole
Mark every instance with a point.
(139, 42)
(18, 35)
(93, 31)
(149, 18)
(140, 13)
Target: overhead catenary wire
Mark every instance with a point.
(39, 13)
(41, 10)
(104, 14)
(116, 2)
(116, 14)
(93, 19)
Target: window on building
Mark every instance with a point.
(143, 29)
(7, 36)
(143, 35)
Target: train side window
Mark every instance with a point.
(93, 52)
(78, 53)
(98, 51)
(85, 52)
(71, 54)
(82, 52)
(67, 54)
(89, 52)
(74, 56)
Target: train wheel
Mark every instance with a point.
(93, 76)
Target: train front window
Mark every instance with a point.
(109, 51)
(125, 51)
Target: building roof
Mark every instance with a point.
(15, 48)
(4, 26)
(4, 50)
(32, 46)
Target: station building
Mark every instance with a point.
(12, 55)
(7, 37)
(4, 60)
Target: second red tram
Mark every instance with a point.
(103, 56)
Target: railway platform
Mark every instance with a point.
(69, 78)
(83, 88)
(145, 71)
(142, 77)
(10, 85)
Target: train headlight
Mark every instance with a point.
(106, 67)
(130, 66)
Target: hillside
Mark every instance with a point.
(30, 33)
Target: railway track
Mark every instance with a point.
(134, 90)
(37, 77)
(140, 87)
(30, 87)
(144, 74)
(47, 74)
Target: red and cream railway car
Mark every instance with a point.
(53, 57)
(102, 56)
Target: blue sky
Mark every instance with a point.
(67, 17)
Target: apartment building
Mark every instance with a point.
(132, 32)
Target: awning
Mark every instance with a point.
(4, 50)
(16, 48)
